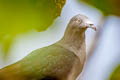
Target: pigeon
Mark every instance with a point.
(63, 60)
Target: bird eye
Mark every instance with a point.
(79, 21)
(75, 19)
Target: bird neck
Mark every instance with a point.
(74, 40)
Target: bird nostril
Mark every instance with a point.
(91, 24)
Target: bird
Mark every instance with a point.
(63, 60)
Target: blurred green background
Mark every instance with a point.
(20, 16)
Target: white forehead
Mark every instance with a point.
(80, 16)
(83, 18)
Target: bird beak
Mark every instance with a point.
(91, 25)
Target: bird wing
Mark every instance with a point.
(49, 62)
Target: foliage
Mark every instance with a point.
(19, 16)
(116, 74)
(108, 7)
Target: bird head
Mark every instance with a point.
(81, 22)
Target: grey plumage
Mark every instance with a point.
(63, 60)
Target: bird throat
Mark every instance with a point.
(74, 40)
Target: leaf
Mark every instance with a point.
(19, 16)
(108, 7)
(116, 74)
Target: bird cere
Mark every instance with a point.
(63, 60)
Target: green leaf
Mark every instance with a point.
(116, 74)
(108, 7)
(19, 16)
